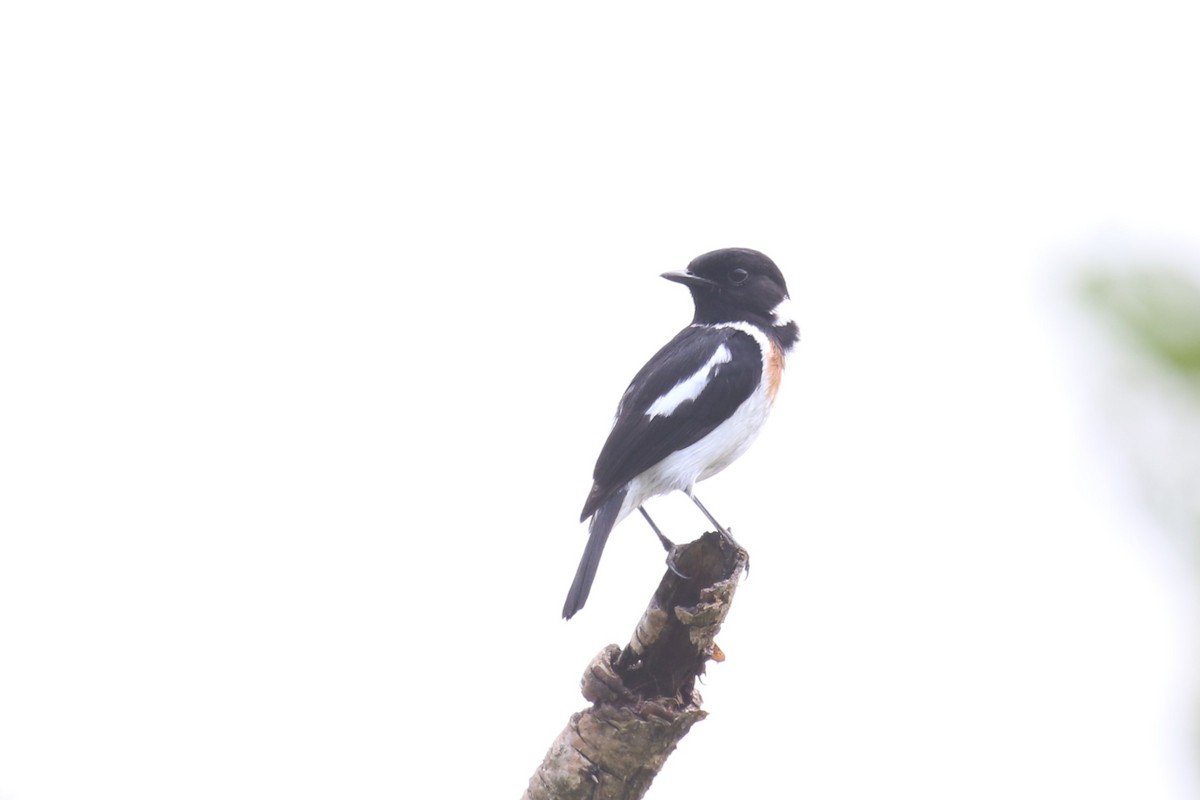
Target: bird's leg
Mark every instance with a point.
(667, 544)
(728, 536)
(711, 519)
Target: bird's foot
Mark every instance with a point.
(667, 544)
(672, 555)
(728, 534)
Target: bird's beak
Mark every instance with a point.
(688, 279)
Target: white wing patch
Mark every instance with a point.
(689, 388)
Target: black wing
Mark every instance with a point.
(640, 438)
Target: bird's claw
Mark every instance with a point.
(672, 552)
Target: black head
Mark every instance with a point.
(739, 285)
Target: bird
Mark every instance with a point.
(697, 404)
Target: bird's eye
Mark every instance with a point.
(738, 276)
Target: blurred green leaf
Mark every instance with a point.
(1156, 309)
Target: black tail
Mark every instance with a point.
(602, 524)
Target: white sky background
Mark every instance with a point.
(313, 319)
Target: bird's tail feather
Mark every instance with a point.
(602, 524)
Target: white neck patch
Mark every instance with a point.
(782, 313)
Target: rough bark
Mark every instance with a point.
(644, 697)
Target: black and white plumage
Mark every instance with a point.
(699, 403)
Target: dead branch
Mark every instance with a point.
(644, 697)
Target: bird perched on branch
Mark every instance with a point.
(698, 404)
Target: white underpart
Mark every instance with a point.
(782, 313)
(684, 468)
(689, 388)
